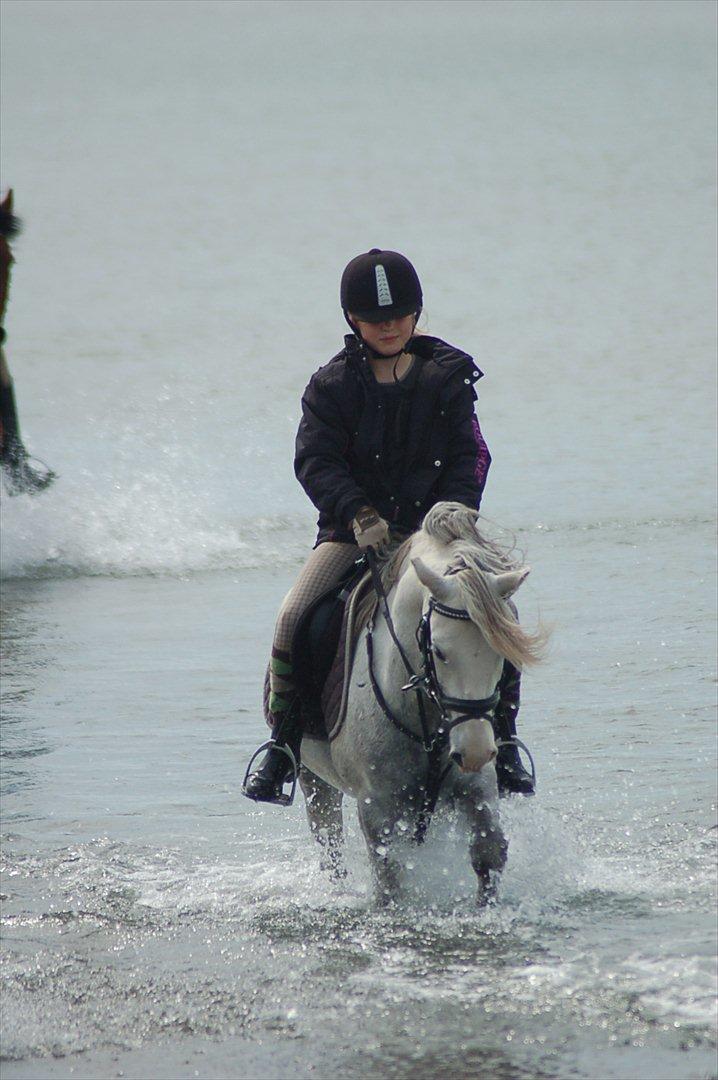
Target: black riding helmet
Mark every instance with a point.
(380, 285)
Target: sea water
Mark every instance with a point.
(193, 178)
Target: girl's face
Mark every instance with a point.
(386, 338)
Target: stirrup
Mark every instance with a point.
(282, 799)
(513, 740)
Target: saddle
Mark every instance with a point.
(322, 651)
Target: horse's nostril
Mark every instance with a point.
(494, 755)
(456, 757)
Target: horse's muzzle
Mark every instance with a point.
(472, 745)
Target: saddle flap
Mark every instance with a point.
(322, 646)
(316, 643)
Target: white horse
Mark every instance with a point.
(447, 589)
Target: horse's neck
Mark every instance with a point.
(405, 605)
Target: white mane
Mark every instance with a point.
(450, 532)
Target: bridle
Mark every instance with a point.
(427, 686)
(466, 708)
(426, 683)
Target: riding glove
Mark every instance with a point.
(370, 530)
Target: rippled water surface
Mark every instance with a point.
(193, 178)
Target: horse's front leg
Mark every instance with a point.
(324, 811)
(488, 845)
(378, 829)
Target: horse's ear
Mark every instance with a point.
(6, 204)
(439, 586)
(507, 584)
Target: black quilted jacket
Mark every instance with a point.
(340, 440)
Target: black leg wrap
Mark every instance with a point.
(21, 477)
(8, 418)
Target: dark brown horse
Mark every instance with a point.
(21, 476)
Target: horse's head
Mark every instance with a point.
(466, 621)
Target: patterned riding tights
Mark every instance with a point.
(324, 567)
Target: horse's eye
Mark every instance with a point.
(439, 655)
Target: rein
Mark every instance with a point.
(425, 685)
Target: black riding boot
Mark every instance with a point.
(266, 784)
(21, 478)
(513, 779)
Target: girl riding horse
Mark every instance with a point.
(388, 430)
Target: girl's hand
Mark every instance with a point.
(370, 530)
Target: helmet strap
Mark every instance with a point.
(372, 354)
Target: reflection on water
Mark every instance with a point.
(26, 651)
(148, 901)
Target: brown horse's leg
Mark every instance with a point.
(20, 476)
(324, 811)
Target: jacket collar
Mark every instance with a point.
(447, 358)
